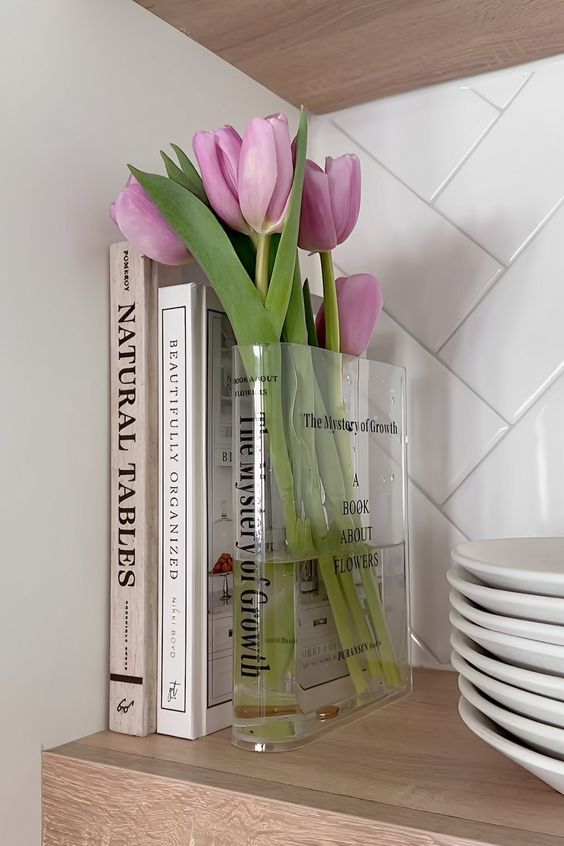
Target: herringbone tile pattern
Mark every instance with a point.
(461, 221)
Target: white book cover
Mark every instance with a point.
(133, 516)
(195, 564)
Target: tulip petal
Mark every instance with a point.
(144, 226)
(228, 143)
(257, 172)
(222, 198)
(360, 302)
(343, 174)
(317, 231)
(278, 205)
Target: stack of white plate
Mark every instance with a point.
(507, 610)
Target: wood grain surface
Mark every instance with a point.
(409, 774)
(329, 54)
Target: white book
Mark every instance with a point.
(195, 565)
(134, 280)
(133, 295)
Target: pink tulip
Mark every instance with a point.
(330, 203)
(218, 155)
(360, 301)
(265, 174)
(144, 226)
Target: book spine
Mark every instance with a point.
(178, 529)
(132, 697)
(194, 615)
(217, 542)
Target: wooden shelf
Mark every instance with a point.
(408, 775)
(330, 54)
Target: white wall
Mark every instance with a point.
(462, 221)
(87, 85)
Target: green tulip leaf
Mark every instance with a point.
(280, 287)
(204, 236)
(295, 326)
(176, 174)
(241, 243)
(310, 321)
(197, 186)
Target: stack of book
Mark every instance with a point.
(171, 621)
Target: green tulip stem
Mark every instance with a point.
(332, 336)
(261, 270)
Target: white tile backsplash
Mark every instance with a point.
(515, 177)
(483, 345)
(431, 537)
(387, 129)
(431, 273)
(450, 427)
(512, 346)
(517, 490)
(499, 88)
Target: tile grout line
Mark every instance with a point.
(435, 506)
(447, 367)
(513, 96)
(422, 491)
(488, 452)
(512, 426)
(538, 228)
(501, 111)
(472, 149)
(543, 388)
(434, 209)
(485, 99)
(517, 255)
(418, 641)
(495, 281)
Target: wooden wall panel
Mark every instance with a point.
(330, 54)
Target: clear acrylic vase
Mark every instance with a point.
(320, 573)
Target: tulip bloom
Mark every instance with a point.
(359, 301)
(266, 173)
(330, 203)
(143, 225)
(218, 155)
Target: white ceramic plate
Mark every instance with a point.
(539, 708)
(528, 680)
(542, 632)
(519, 651)
(548, 769)
(526, 606)
(545, 739)
(532, 565)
